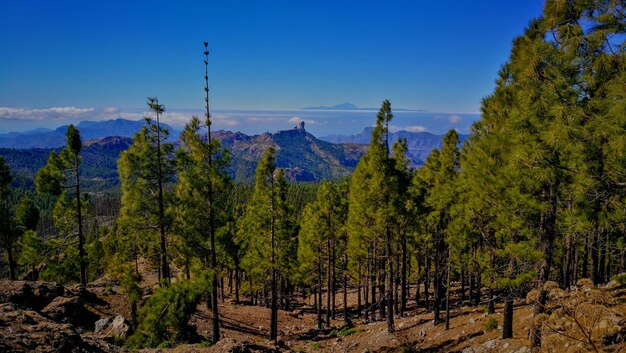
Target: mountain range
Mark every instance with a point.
(350, 106)
(419, 144)
(53, 138)
(303, 156)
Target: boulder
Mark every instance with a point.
(120, 327)
(27, 294)
(70, 309)
(102, 325)
(28, 331)
(112, 328)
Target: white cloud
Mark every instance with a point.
(450, 117)
(415, 128)
(296, 120)
(30, 114)
(455, 119)
(262, 120)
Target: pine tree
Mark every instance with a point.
(370, 214)
(55, 178)
(7, 235)
(144, 169)
(322, 233)
(202, 194)
(266, 233)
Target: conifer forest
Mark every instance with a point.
(512, 239)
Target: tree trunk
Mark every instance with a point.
(333, 283)
(448, 295)
(547, 233)
(165, 272)
(81, 239)
(602, 250)
(11, 261)
(390, 280)
(358, 293)
(418, 280)
(373, 287)
(318, 293)
(367, 291)
(427, 281)
(403, 270)
(237, 283)
(274, 303)
(329, 279)
(507, 326)
(346, 313)
(585, 266)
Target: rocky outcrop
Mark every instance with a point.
(70, 309)
(112, 328)
(31, 295)
(29, 331)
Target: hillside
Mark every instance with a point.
(302, 155)
(99, 170)
(47, 138)
(420, 144)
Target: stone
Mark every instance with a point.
(102, 324)
(29, 331)
(70, 309)
(29, 294)
(120, 327)
(491, 344)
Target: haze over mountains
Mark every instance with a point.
(303, 156)
(350, 106)
(420, 144)
(53, 138)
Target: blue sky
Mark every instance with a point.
(103, 58)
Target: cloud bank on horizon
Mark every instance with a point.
(318, 122)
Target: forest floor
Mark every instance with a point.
(586, 318)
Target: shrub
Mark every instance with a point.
(621, 279)
(491, 324)
(163, 318)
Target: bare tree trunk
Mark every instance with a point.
(358, 293)
(329, 279)
(366, 292)
(81, 238)
(448, 294)
(390, 280)
(585, 265)
(507, 326)
(346, 313)
(318, 293)
(403, 270)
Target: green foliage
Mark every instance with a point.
(268, 210)
(32, 249)
(27, 214)
(140, 219)
(491, 324)
(64, 267)
(163, 318)
(620, 278)
(202, 186)
(344, 331)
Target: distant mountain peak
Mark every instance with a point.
(89, 129)
(342, 106)
(349, 106)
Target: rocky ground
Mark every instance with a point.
(45, 317)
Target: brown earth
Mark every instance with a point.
(585, 319)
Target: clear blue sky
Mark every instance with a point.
(441, 56)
